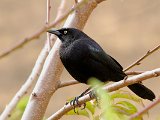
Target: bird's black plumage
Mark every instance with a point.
(84, 58)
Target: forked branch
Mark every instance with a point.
(138, 62)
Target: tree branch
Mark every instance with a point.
(60, 13)
(142, 58)
(68, 83)
(109, 88)
(73, 82)
(144, 110)
(134, 72)
(47, 23)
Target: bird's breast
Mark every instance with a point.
(72, 53)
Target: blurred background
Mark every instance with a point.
(126, 29)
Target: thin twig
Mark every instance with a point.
(145, 110)
(48, 11)
(47, 23)
(73, 82)
(68, 83)
(142, 58)
(39, 32)
(61, 11)
(134, 72)
(109, 88)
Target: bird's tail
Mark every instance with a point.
(142, 91)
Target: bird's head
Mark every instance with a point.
(67, 34)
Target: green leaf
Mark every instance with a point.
(96, 117)
(90, 106)
(108, 113)
(18, 112)
(138, 118)
(128, 107)
(126, 95)
(22, 104)
(124, 112)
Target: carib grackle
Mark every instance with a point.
(84, 58)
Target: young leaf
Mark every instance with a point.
(108, 113)
(131, 108)
(22, 104)
(126, 95)
(17, 113)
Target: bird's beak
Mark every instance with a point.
(56, 32)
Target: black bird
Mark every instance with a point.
(84, 58)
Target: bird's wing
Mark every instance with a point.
(97, 53)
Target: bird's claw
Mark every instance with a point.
(125, 78)
(84, 106)
(92, 94)
(75, 103)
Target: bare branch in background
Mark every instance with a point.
(68, 83)
(38, 33)
(145, 109)
(109, 88)
(142, 58)
(60, 13)
(47, 23)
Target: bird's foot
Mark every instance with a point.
(125, 78)
(92, 94)
(75, 101)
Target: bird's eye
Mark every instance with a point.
(65, 32)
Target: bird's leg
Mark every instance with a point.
(85, 92)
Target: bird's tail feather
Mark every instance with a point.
(142, 91)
